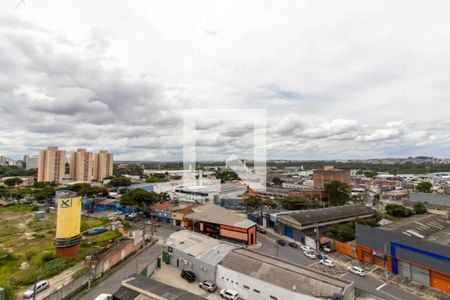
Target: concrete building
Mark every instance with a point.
(301, 224)
(210, 191)
(328, 174)
(417, 248)
(178, 213)
(51, 165)
(195, 252)
(82, 165)
(258, 276)
(218, 222)
(31, 162)
(103, 165)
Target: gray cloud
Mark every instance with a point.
(365, 82)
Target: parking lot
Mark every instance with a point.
(171, 275)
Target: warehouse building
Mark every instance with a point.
(195, 252)
(299, 224)
(221, 223)
(417, 248)
(258, 276)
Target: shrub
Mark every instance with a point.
(419, 208)
(34, 208)
(48, 257)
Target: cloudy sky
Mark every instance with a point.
(337, 79)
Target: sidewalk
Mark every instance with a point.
(56, 282)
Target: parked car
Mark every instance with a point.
(96, 230)
(293, 245)
(104, 297)
(321, 256)
(356, 270)
(261, 229)
(229, 294)
(281, 242)
(188, 276)
(208, 286)
(132, 217)
(326, 262)
(40, 286)
(310, 254)
(305, 248)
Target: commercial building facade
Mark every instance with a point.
(218, 222)
(258, 276)
(197, 253)
(300, 224)
(417, 249)
(51, 165)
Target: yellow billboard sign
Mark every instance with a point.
(68, 217)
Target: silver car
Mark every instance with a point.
(40, 286)
(208, 286)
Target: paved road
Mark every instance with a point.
(112, 283)
(378, 288)
(368, 283)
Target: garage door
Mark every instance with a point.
(288, 231)
(420, 275)
(440, 281)
(404, 269)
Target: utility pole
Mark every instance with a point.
(386, 262)
(34, 287)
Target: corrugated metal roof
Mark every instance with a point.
(203, 248)
(284, 274)
(218, 215)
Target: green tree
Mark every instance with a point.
(424, 187)
(397, 210)
(277, 181)
(295, 203)
(120, 181)
(93, 191)
(253, 202)
(78, 187)
(13, 181)
(163, 197)
(338, 193)
(226, 176)
(44, 194)
(44, 184)
(133, 169)
(419, 208)
(270, 203)
(139, 197)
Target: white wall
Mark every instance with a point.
(236, 281)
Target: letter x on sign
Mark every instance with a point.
(66, 203)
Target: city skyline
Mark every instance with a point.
(361, 83)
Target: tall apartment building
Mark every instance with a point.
(51, 165)
(103, 165)
(82, 165)
(328, 174)
(31, 162)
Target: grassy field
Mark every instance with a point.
(26, 246)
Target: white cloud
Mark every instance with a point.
(334, 77)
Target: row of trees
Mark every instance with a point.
(142, 198)
(399, 211)
(288, 202)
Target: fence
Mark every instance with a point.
(70, 288)
(344, 248)
(106, 260)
